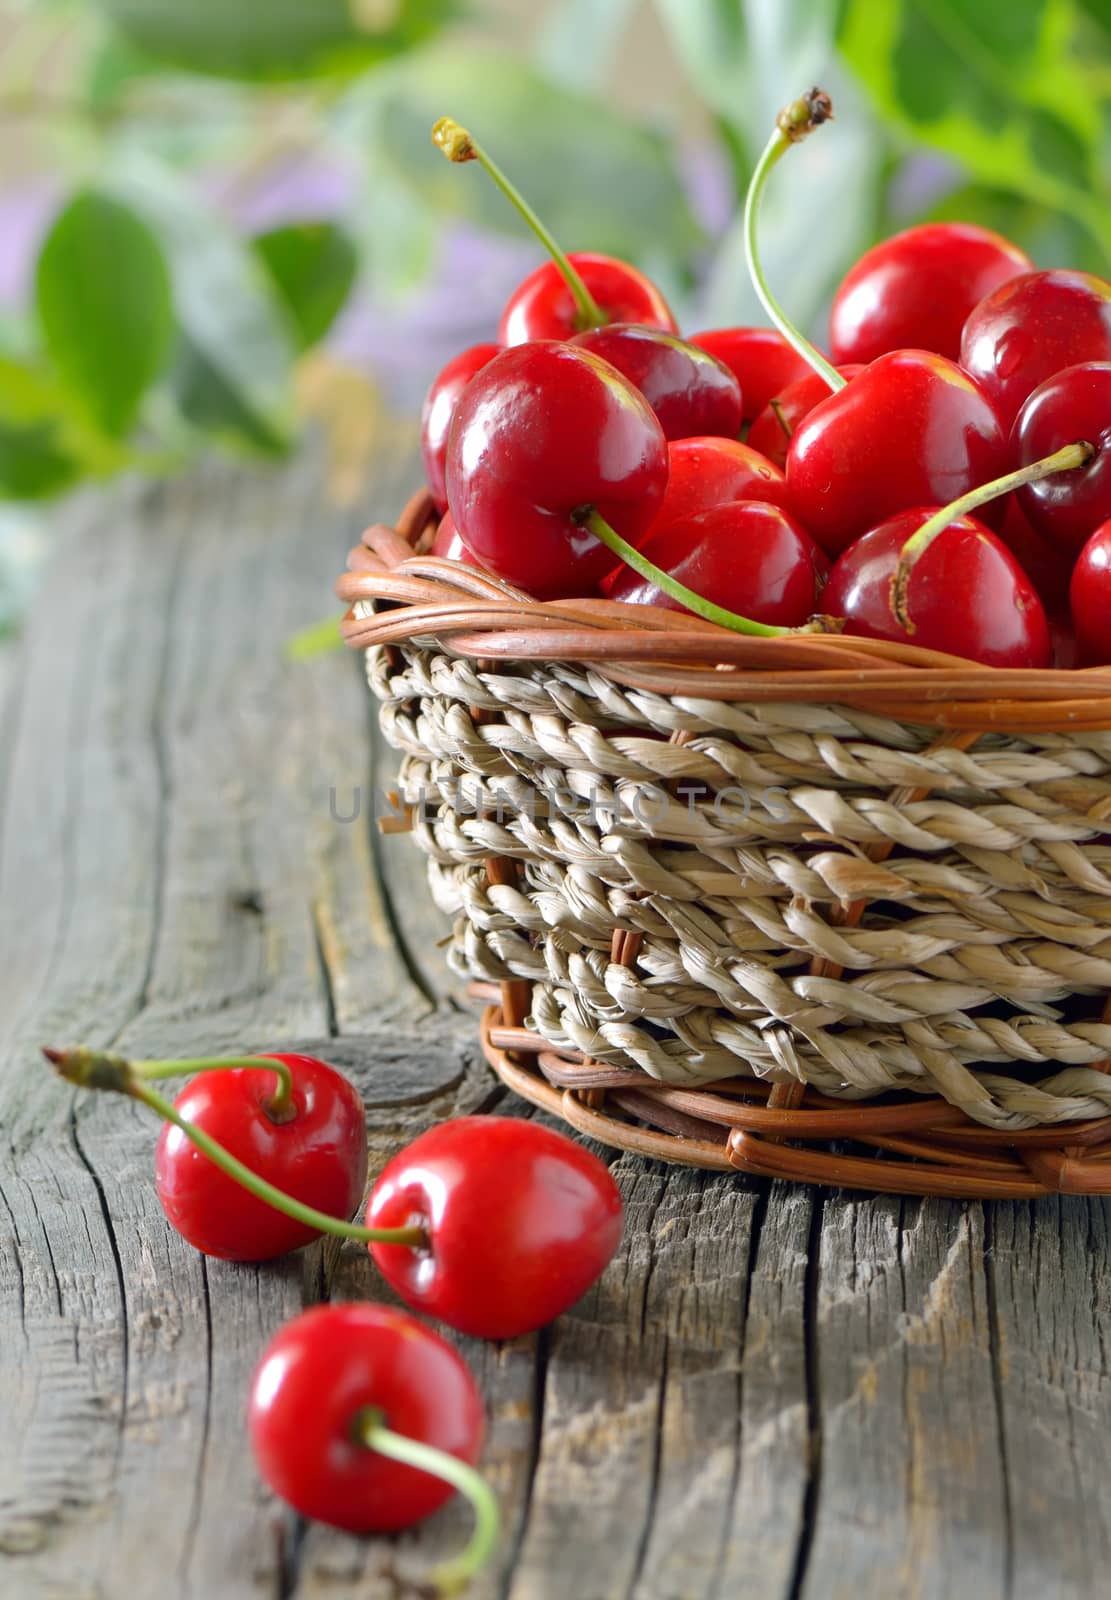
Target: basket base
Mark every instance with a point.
(906, 1145)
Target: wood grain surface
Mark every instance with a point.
(772, 1393)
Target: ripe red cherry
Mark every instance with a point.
(439, 408)
(967, 594)
(910, 430)
(774, 428)
(1090, 599)
(690, 391)
(760, 358)
(1032, 327)
(540, 433)
(916, 290)
(1073, 404)
(318, 1155)
(449, 545)
(750, 557)
(520, 1220)
(543, 308)
(1048, 566)
(713, 472)
(319, 1375)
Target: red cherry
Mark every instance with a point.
(761, 359)
(712, 472)
(543, 307)
(916, 290)
(319, 1156)
(751, 557)
(967, 594)
(449, 545)
(439, 408)
(1032, 327)
(520, 1220)
(1090, 599)
(912, 429)
(773, 429)
(689, 390)
(542, 432)
(1048, 566)
(319, 1375)
(1074, 404)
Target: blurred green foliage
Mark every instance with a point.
(156, 327)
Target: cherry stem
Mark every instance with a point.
(1066, 459)
(793, 125)
(279, 1106)
(778, 413)
(98, 1069)
(458, 145)
(453, 1575)
(697, 603)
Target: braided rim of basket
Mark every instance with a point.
(396, 593)
(741, 1125)
(472, 614)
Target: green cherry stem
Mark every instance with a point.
(279, 1106)
(793, 124)
(1069, 457)
(97, 1069)
(600, 528)
(453, 1575)
(458, 145)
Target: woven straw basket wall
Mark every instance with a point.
(805, 880)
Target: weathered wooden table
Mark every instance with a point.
(771, 1393)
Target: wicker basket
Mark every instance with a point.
(817, 907)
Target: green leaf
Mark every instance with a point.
(235, 333)
(313, 266)
(599, 181)
(208, 401)
(276, 39)
(46, 442)
(103, 296)
(994, 85)
(747, 58)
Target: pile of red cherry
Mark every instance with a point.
(360, 1415)
(743, 475)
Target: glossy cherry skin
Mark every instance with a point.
(521, 1222)
(1032, 327)
(1048, 566)
(967, 595)
(772, 434)
(438, 410)
(315, 1378)
(910, 430)
(916, 290)
(542, 307)
(712, 472)
(541, 432)
(449, 545)
(760, 358)
(1073, 404)
(1090, 599)
(318, 1156)
(751, 557)
(691, 391)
